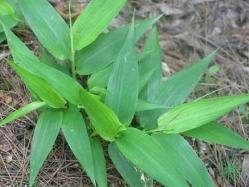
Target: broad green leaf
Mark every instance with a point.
(49, 27)
(18, 14)
(218, 134)
(42, 88)
(150, 71)
(46, 58)
(126, 169)
(148, 155)
(45, 134)
(22, 112)
(9, 20)
(197, 113)
(75, 132)
(122, 89)
(99, 162)
(151, 64)
(105, 49)
(2, 37)
(93, 20)
(6, 8)
(99, 92)
(143, 80)
(103, 119)
(63, 83)
(185, 158)
(143, 106)
(100, 78)
(175, 90)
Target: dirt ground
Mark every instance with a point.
(188, 30)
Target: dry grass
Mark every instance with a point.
(190, 29)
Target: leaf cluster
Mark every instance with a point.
(93, 86)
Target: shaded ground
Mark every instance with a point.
(189, 30)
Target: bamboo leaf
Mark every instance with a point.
(105, 49)
(123, 84)
(144, 79)
(50, 29)
(218, 134)
(147, 67)
(185, 159)
(100, 78)
(99, 92)
(143, 106)
(63, 83)
(2, 37)
(6, 8)
(99, 162)
(45, 134)
(46, 58)
(75, 132)
(41, 88)
(126, 169)
(150, 71)
(15, 6)
(103, 119)
(22, 112)
(149, 156)
(101, 12)
(151, 64)
(197, 113)
(175, 90)
(9, 20)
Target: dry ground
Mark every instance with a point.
(189, 30)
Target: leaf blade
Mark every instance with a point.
(99, 162)
(187, 161)
(41, 88)
(100, 78)
(9, 20)
(122, 89)
(148, 155)
(124, 167)
(103, 119)
(45, 134)
(75, 132)
(22, 112)
(143, 106)
(195, 114)
(105, 49)
(176, 89)
(219, 134)
(6, 8)
(101, 12)
(2, 37)
(50, 29)
(151, 67)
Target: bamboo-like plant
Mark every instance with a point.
(121, 86)
(7, 10)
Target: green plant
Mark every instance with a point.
(121, 86)
(9, 12)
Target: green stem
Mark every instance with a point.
(72, 43)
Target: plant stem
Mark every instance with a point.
(72, 42)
